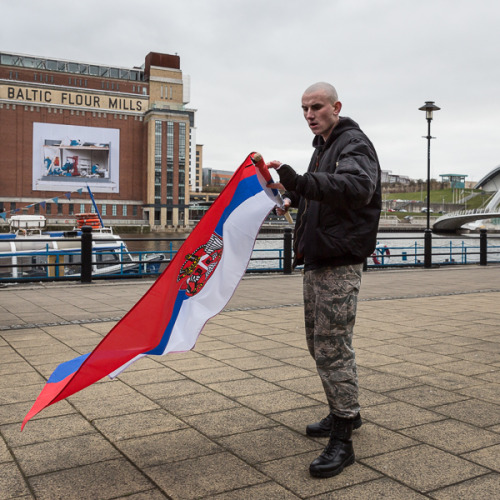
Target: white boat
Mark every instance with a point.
(27, 249)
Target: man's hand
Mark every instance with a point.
(288, 176)
(284, 209)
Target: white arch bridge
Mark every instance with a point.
(455, 220)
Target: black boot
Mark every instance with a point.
(323, 428)
(338, 453)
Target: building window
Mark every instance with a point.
(113, 210)
(71, 209)
(48, 208)
(134, 210)
(182, 163)
(158, 147)
(59, 209)
(124, 210)
(170, 161)
(36, 210)
(82, 208)
(103, 209)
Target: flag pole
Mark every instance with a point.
(260, 164)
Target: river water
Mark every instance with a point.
(392, 248)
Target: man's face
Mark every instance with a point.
(320, 113)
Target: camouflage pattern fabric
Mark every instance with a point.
(330, 300)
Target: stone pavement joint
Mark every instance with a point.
(227, 419)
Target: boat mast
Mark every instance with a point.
(95, 206)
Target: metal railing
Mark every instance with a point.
(272, 254)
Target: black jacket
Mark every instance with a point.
(338, 199)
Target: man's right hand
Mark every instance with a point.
(284, 209)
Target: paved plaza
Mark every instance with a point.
(227, 420)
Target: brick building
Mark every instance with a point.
(124, 132)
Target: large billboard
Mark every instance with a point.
(66, 157)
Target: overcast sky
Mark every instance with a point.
(250, 61)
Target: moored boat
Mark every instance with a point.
(28, 251)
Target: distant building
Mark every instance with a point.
(218, 178)
(125, 132)
(197, 178)
(387, 177)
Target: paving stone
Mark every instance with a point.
(276, 401)
(293, 474)
(464, 367)
(46, 429)
(487, 487)
(152, 376)
(473, 411)
(253, 362)
(370, 440)
(276, 374)
(426, 396)
(298, 419)
(263, 445)
(244, 387)
(379, 489)
(117, 428)
(385, 382)
(157, 449)
(12, 413)
(227, 422)
(115, 405)
(267, 491)
(5, 456)
(302, 385)
(196, 404)
(172, 389)
(449, 380)
(210, 474)
(399, 415)
(213, 375)
(194, 362)
(408, 370)
(12, 484)
(489, 457)
(66, 453)
(486, 392)
(424, 468)
(453, 436)
(102, 480)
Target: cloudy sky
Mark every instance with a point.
(250, 61)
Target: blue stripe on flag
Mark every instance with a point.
(67, 368)
(181, 297)
(247, 188)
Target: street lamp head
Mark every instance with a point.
(429, 107)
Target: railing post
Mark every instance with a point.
(86, 266)
(428, 248)
(287, 251)
(483, 247)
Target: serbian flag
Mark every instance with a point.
(196, 285)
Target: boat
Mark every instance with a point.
(29, 251)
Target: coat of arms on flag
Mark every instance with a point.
(196, 285)
(200, 264)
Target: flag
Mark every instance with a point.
(196, 285)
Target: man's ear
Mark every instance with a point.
(337, 106)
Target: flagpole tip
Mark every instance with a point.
(256, 157)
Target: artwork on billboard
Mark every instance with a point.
(65, 156)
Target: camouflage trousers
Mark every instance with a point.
(330, 300)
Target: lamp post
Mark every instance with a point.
(429, 107)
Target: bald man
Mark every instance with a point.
(339, 202)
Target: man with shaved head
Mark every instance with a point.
(339, 202)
